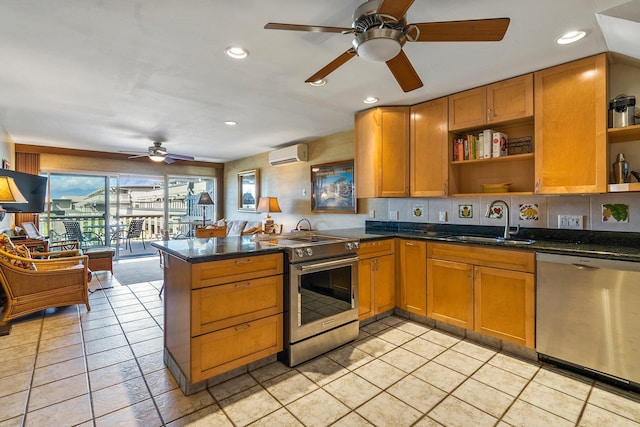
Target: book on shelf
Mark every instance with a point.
(499, 144)
(487, 136)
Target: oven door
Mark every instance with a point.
(323, 295)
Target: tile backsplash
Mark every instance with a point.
(532, 211)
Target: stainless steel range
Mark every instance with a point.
(321, 294)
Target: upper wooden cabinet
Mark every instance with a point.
(500, 102)
(429, 158)
(382, 152)
(571, 127)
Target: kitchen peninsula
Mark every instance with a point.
(223, 306)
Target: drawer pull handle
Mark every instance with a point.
(243, 285)
(243, 327)
(243, 261)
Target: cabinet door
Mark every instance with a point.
(413, 276)
(450, 292)
(468, 109)
(510, 99)
(505, 305)
(382, 152)
(429, 154)
(385, 296)
(570, 127)
(365, 286)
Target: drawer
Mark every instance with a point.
(370, 249)
(507, 259)
(235, 269)
(221, 351)
(218, 307)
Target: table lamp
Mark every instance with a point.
(268, 205)
(9, 193)
(204, 200)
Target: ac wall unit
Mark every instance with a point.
(291, 154)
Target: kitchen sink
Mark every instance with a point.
(483, 239)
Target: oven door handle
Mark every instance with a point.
(334, 263)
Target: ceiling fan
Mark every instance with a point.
(158, 153)
(380, 30)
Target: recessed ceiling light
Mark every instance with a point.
(320, 82)
(230, 122)
(236, 52)
(370, 100)
(571, 36)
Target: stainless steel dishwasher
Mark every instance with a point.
(588, 314)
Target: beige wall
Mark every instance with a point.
(291, 185)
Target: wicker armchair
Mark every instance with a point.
(60, 279)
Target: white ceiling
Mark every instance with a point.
(108, 75)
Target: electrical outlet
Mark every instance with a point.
(393, 215)
(372, 213)
(442, 216)
(573, 222)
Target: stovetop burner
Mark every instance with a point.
(307, 246)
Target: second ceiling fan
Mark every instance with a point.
(380, 30)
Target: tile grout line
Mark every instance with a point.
(106, 294)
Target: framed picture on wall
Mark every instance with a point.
(332, 187)
(248, 190)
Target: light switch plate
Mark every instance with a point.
(442, 216)
(372, 213)
(393, 215)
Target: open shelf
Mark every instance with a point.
(512, 158)
(623, 188)
(629, 133)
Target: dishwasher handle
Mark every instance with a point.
(585, 267)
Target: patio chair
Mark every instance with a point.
(31, 285)
(74, 232)
(135, 231)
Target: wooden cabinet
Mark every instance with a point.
(220, 315)
(571, 127)
(500, 102)
(412, 276)
(490, 291)
(382, 152)
(505, 106)
(428, 154)
(376, 278)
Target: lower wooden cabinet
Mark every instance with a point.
(412, 275)
(376, 278)
(221, 315)
(490, 291)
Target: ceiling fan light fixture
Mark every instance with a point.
(571, 37)
(236, 52)
(156, 157)
(378, 44)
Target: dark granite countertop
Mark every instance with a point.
(211, 249)
(622, 246)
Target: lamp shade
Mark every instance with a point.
(9, 191)
(205, 199)
(268, 204)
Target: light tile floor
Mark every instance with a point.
(68, 366)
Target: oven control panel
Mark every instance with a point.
(326, 250)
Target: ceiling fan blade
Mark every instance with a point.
(395, 8)
(312, 28)
(138, 155)
(404, 72)
(475, 30)
(168, 160)
(332, 66)
(179, 157)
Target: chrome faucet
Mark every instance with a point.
(507, 228)
(303, 229)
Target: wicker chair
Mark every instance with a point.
(59, 280)
(136, 230)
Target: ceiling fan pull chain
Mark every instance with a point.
(409, 29)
